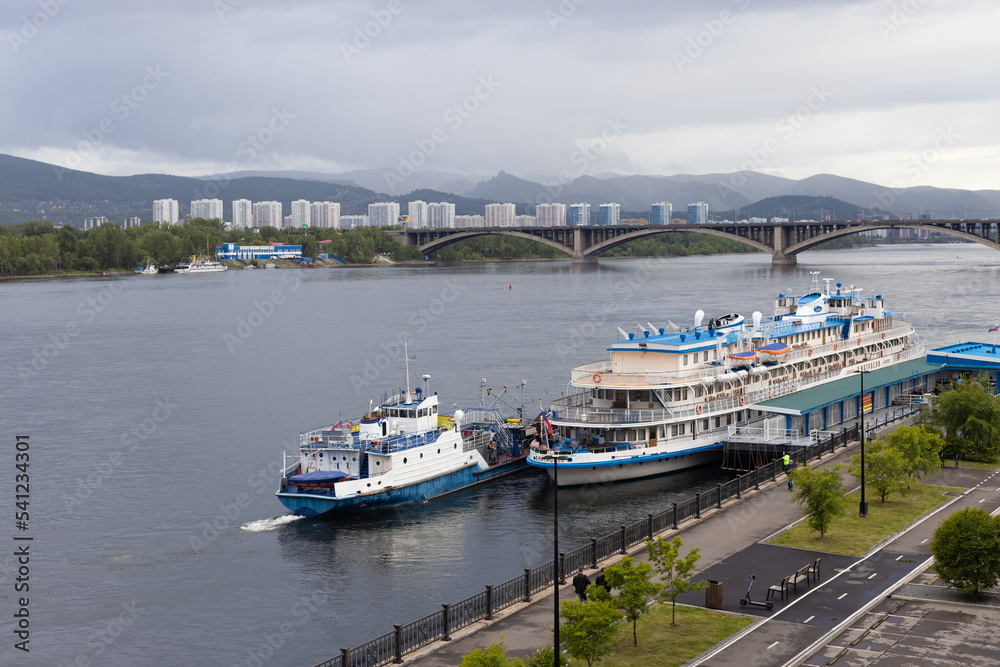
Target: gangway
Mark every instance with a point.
(491, 417)
(750, 446)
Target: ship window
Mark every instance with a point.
(404, 459)
(704, 424)
(685, 394)
(673, 430)
(697, 392)
(681, 429)
(378, 463)
(685, 360)
(455, 446)
(439, 451)
(706, 356)
(393, 412)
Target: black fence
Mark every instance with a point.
(404, 639)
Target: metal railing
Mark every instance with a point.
(391, 647)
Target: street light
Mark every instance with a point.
(555, 545)
(863, 507)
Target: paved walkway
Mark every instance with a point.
(813, 625)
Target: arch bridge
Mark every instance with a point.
(783, 240)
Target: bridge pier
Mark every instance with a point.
(781, 241)
(579, 245)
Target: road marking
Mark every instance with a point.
(809, 619)
(924, 541)
(773, 645)
(900, 556)
(842, 596)
(875, 574)
(982, 501)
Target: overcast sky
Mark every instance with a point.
(899, 93)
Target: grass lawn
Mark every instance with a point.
(851, 535)
(659, 644)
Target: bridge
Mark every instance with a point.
(783, 240)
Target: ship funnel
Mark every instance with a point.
(698, 317)
(756, 319)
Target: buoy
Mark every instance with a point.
(510, 288)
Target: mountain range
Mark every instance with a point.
(36, 190)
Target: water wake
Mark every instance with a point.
(264, 525)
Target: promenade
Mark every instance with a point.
(813, 626)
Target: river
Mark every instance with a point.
(157, 409)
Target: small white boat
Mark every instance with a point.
(148, 270)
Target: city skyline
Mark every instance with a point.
(697, 89)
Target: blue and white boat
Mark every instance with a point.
(665, 401)
(404, 451)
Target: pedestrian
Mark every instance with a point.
(580, 583)
(602, 582)
(786, 463)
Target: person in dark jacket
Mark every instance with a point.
(580, 583)
(602, 582)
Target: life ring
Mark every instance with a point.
(859, 341)
(883, 335)
(834, 347)
(697, 409)
(897, 356)
(793, 387)
(882, 354)
(350, 424)
(810, 352)
(597, 378)
(770, 393)
(741, 400)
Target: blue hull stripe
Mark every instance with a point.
(629, 460)
(315, 505)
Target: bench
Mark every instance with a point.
(780, 588)
(814, 569)
(802, 574)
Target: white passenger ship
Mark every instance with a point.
(200, 266)
(664, 401)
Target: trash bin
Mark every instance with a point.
(713, 595)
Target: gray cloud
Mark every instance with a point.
(700, 86)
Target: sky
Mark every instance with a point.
(900, 92)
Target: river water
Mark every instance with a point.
(158, 408)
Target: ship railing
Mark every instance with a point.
(405, 639)
(590, 415)
(496, 422)
(800, 351)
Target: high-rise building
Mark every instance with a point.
(550, 215)
(525, 221)
(91, 223)
(165, 210)
(267, 214)
(383, 214)
(325, 214)
(469, 221)
(500, 215)
(697, 213)
(209, 209)
(662, 213)
(301, 210)
(242, 213)
(418, 214)
(132, 222)
(609, 214)
(579, 215)
(441, 215)
(353, 221)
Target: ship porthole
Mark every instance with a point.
(439, 451)
(421, 455)
(369, 484)
(378, 463)
(404, 460)
(455, 445)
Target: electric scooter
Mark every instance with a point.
(746, 600)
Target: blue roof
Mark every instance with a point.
(967, 355)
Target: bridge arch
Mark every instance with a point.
(599, 248)
(439, 243)
(810, 243)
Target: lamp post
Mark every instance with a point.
(555, 547)
(863, 507)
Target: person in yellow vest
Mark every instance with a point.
(786, 463)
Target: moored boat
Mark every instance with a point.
(402, 451)
(202, 265)
(665, 401)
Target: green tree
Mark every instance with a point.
(921, 449)
(544, 657)
(675, 572)
(161, 245)
(966, 550)
(969, 415)
(886, 469)
(494, 655)
(820, 493)
(111, 246)
(634, 582)
(589, 629)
